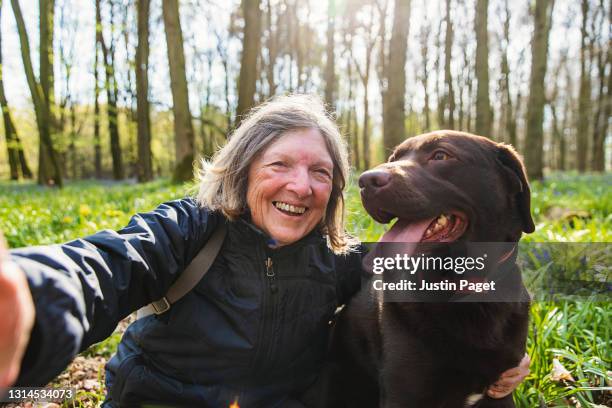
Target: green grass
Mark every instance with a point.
(566, 208)
(33, 215)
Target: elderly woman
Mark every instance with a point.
(255, 328)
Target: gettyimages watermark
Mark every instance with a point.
(489, 272)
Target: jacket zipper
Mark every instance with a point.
(271, 276)
(265, 339)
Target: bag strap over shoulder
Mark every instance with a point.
(190, 277)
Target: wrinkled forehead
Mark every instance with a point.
(462, 146)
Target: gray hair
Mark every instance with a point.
(223, 181)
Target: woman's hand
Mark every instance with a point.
(510, 379)
(16, 317)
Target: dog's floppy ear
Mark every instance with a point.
(514, 172)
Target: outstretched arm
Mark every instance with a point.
(83, 288)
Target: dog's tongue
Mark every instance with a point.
(405, 231)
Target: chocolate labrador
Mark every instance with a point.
(445, 189)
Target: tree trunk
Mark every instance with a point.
(600, 120)
(509, 120)
(248, 61)
(110, 84)
(535, 104)
(605, 109)
(45, 118)
(557, 133)
(425, 77)
(366, 128)
(183, 126)
(449, 94)
(73, 136)
(17, 162)
(394, 117)
(272, 44)
(46, 31)
(96, 118)
(145, 165)
(330, 64)
(297, 47)
(439, 96)
(483, 105)
(469, 122)
(584, 99)
(353, 129)
(225, 62)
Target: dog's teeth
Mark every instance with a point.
(443, 220)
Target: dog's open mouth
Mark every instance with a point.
(447, 227)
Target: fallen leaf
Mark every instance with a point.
(559, 372)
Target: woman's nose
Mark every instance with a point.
(300, 184)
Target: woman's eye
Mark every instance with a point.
(278, 164)
(440, 155)
(323, 172)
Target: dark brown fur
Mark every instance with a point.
(410, 354)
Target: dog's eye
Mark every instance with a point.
(440, 155)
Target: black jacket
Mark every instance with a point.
(247, 331)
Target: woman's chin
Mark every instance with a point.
(283, 237)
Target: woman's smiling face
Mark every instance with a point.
(290, 184)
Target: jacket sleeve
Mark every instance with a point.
(83, 288)
(349, 272)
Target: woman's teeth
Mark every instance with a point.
(289, 208)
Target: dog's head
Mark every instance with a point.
(447, 186)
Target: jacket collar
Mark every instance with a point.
(245, 225)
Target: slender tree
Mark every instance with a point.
(183, 126)
(224, 56)
(145, 165)
(449, 93)
(96, 118)
(394, 117)
(424, 36)
(509, 120)
(584, 100)
(330, 63)
(483, 105)
(535, 106)
(558, 140)
(603, 59)
(17, 161)
(370, 39)
(248, 62)
(45, 117)
(351, 124)
(111, 87)
(47, 78)
(437, 70)
(272, 48)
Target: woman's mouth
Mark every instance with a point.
(289, 209)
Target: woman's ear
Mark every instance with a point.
(514, 172)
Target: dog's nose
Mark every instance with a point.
(374, 179)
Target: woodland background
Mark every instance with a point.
(139, 89)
